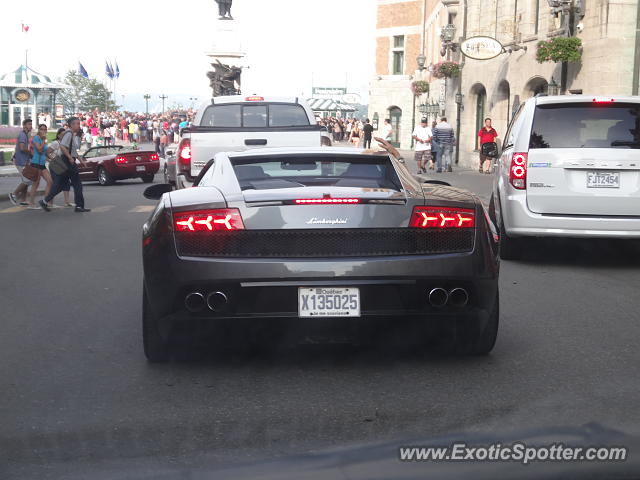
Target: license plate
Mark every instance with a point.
(328, 302)
(603, 179)
(140, 168)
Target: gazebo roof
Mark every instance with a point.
(29, 78)
(328, 105)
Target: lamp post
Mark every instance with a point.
(552, 87)
(459, 98)
(163, 97)
(567, 10)
(146, 100)
(192, 100)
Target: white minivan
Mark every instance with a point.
(570, 167)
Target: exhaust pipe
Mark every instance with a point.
(458, 297)
(438, 297)
(216, 301)
(194, 302)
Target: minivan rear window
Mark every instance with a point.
(586, 125)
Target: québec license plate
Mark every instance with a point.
(329, 302)
(140, 168)
(603, 179)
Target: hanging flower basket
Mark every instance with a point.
(419, 87)
(559, 49)
(446, 70)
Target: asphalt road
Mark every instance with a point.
(78, 396)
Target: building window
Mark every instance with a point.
(398, 55)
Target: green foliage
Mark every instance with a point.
(559, 49)
(419, 87)
(446, 70)
(85, 94)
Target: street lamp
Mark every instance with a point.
(421, 59)
(552, 87)
(423, 108)
(448, 33)
(459, 98)
(193, 99)
(163, 97)
(146, 99)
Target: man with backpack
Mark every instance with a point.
(65, 167)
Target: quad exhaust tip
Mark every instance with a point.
(194, 302)
(458, 297)
(216, 301)
(438, 297)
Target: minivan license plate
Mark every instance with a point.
(328, 302)
(603, 179)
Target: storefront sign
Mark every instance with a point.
(59, 111)
(328, 92)
(481, 48)
(22, 95)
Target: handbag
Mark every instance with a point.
(489, 149)
(30, 172)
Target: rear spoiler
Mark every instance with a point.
(297, 128)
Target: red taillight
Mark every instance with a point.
(316, 201)
(254, 98)
(442, 217)
(221, 219)
(603, 100)
(154, 157)
(120, 159)
(184, 153)
(518, 171)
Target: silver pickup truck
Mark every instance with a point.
(236, 123)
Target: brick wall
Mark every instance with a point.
(400, 14)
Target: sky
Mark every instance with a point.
(160, 46)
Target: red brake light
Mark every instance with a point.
(154, 156)
(518, 171)
(221, 219)
(316, 201)
(120, 159)
(254, 98)
(184, 154)
(442, 217)
(603, 100)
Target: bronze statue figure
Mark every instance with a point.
(224, 79)
(224, 9)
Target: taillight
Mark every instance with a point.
(184, 154)
(317, 201)
(120, 160)
(518, 171)
(254, 98)
(221, 219)
(442, 217)
(154, 157)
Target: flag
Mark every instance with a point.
(109, 70)
(82, 71)
(117, 70)
(25, 28)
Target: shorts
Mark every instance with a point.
(422, 155)
(38, 166)
(24, 180)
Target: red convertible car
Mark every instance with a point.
(108, 164)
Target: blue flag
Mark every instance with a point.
(117, 70)
(109, 70)
(83, 72)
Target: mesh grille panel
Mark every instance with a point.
(324, 243)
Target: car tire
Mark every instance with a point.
(165, 173)
(147, 178)
(156, 349)
(104, 178)
(510, 248)
(471, 341)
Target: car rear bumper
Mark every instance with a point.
(520, 221)
(131, 171)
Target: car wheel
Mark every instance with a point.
(104, 178)
(166, 174)
(472, 341)
(156, 349)
(510, 248)
(147, 178)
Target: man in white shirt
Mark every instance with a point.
(387, 130)
(422, 136)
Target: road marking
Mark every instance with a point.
(142, 209)
(104, 208)
(13, 209)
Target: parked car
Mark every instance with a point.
(570, 167)
(237, 123)
(316, 236)
(111, 163)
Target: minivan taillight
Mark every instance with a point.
(518, 171)
(219, 219)
(184, 155)
(442, 217)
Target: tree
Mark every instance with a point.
(85, 94)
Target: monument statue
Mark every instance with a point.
(224, 79)
(224, 9)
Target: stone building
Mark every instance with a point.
(494, 88)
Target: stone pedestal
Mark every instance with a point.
(226, 45)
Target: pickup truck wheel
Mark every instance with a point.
(104, 178)
(156, 349)
(471, 339)
(147, 178)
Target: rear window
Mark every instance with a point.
(260, 173)
(586, 125)
(254, 116)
